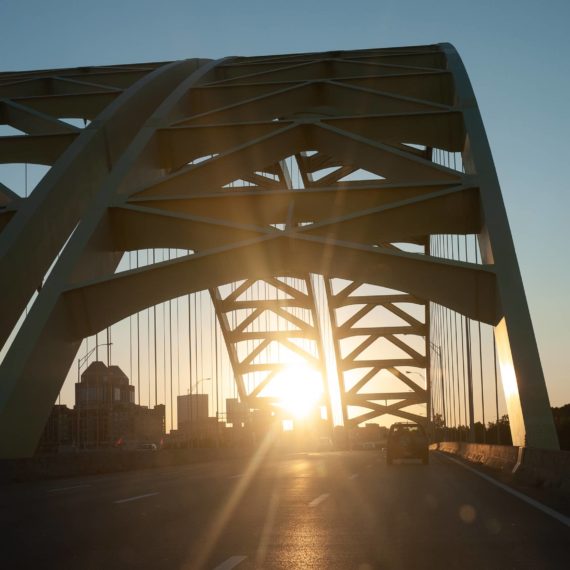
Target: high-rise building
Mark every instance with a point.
(103, 386)
(59, 430)
(236, 412)
(192, 411)
(106, 413)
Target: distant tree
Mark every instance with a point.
(480, 433)
(438, 428)
(499, 432)
(562, 422)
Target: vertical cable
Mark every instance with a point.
(196, 316)
(201, 352)
(475, 245)
(164, 383)
(189, 361)
(496, 388)
(177, 353)
(459, 339)
(155, 355)
(453, 355)
(130, 337)
(456, 349)
(148, 352)
(139, 348)
(216, 370)
(171, 367)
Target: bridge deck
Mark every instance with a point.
(317, 510)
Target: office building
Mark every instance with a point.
(192, 410)
(105, 412)
(236, 412)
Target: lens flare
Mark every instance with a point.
(299, 390)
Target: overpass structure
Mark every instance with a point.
(360, 167)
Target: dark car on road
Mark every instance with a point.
(407, 441)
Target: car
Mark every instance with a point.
(407, 441)
(325, 444)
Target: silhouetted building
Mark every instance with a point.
(369, 436)
(192, 411)
(102, 386)
(105, 412)
(194, 424)
(149, 423)
(58, 431)
(236, 412)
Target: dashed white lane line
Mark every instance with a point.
(236, 476)
(68, 488)
(230, 563)
(319, 500)
(353, 476)
(546, 510)
(135, 498)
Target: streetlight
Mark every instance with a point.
(416, 372)
(80, 363)
(425, 387)
(85, 358)
(196, 384)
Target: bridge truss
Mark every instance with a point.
(268, 171)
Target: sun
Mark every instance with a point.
(299, 390)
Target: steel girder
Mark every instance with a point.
(357, 349)
(157, 168)
(286, 321)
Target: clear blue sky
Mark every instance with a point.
(517, 54)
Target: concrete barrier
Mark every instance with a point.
(530, 466)
(546, 468)
(500, 457)
(107, 461)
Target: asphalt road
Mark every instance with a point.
(330, 510)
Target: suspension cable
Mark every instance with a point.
(496, 389)
(170, 356)
(481, 357)
(155, 355)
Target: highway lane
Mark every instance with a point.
(315, 510)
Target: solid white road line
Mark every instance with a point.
(135, 498)
(68, 488)
(353, 476)
(546, 510)
(319, 500)
(230, 563)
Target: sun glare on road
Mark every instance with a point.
(299, 390)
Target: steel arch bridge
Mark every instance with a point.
(202, 155)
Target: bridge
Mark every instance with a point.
(331, 217)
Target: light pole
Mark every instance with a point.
(80, 363)
(425, 387)
(197, 383)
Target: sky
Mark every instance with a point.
(516, 53)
